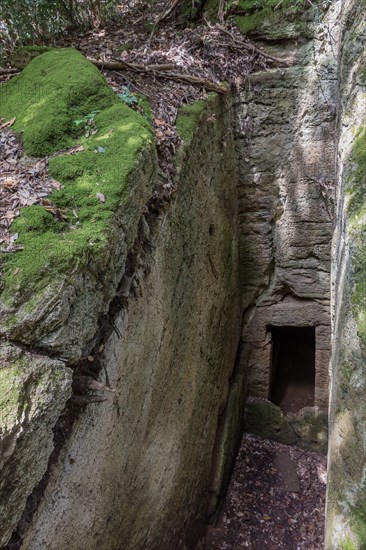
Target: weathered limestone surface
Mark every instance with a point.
(286, 150)
(346, 512)
(140, 463)
(33, 393)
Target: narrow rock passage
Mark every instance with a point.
(275, 500)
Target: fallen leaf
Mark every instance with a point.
(101, 197)
(55, 184)
(7, 124)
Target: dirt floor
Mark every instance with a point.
(275, 500)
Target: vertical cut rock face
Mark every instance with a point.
(286, 149)
(34, 391)
(136, 471)
(346, 498)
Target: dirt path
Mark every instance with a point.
(275, 500)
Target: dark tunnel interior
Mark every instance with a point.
(292, 367)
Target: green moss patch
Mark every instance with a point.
(189, 116)
(356, 193)
(251, 14)
(53, 91)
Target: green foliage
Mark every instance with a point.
(347, 544)
(149, 27)
(86, 119)
(36, 21)
(72, 90)
(127, 96)
(125, 47)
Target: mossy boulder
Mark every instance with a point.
(307, 428)
(84, 250)
(53, 91)
(265, 419)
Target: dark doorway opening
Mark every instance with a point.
(292, 367)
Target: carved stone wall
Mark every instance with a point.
(287, 171)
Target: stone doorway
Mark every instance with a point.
(292, 378)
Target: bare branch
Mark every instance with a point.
(161, 71)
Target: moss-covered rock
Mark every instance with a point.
(356, 205)
(189, 116)
(33, 392)
(346, 490)
(52, 92)
(85, 247)
(188, 119)
(307, 428)
(24, 55)
(276, 20)
(267, 420)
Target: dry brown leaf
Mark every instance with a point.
(8, 123)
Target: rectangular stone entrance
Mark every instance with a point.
(292, 370)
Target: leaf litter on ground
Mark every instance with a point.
(216, 52)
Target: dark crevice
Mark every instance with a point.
(216, 498)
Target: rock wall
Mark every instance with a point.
(346, 512)
(137, 469)
(285, 143)
(34, 390)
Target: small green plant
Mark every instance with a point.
(87, 123)
(125, 47)
(149, 27)
(128, 97)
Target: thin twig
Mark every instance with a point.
(9, 71)
(167, 11)
(221, 10)
(161, 71)
(250, 47)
